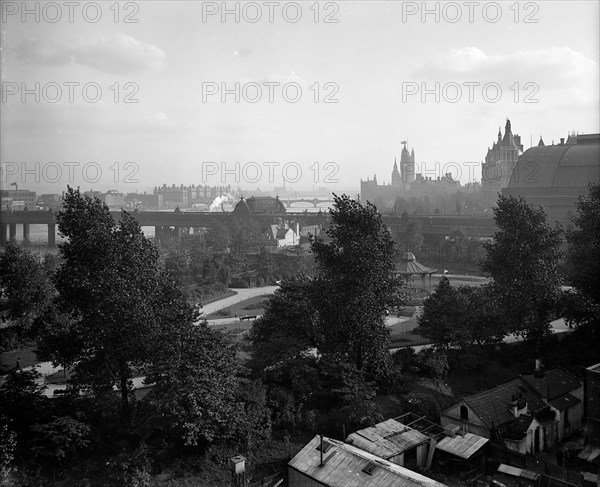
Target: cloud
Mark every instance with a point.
(557, 67)
(119, 54)
(42, 52)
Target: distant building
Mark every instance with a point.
(259, 205)
(49, 202)
(401, 179)
(17, 199)
(330, 463)
(114, 200)
(94, 194)
(553, 176)
(501, 160)
(283, 235)
(185, 196)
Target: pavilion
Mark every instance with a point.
(409, 267)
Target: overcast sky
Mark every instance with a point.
(369, 57)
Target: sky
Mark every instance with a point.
(131, 95)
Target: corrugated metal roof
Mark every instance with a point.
(518, 472)
(344, 466)
(462, 446)
(387, 439)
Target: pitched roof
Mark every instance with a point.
(462, 446)
(348, 466)
(553, 383)
(387, 439)
(492, 406)
(564, 402)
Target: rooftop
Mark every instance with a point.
(347, 466)
(492, 406)
(387, 439)
(462, 446)
(552, 383)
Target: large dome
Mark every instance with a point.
(554, 175)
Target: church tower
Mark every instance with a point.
(396, 179)
(407, 165)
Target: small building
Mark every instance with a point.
(528, 414)
(462, 455)
(325, 462)
(493, 412)
(564, 394)
(283, 235)
(393, 441)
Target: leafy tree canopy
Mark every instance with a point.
(523, 263)
(113, 298)
(355, 283)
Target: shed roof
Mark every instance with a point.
(346, 466)
(518, 472)
(462, 446)
(387, 439)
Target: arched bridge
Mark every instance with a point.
(314, 201)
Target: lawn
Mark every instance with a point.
(8, 360)
(250, 306)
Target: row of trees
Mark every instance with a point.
(228, 251)
(107, 311)
(524, 294)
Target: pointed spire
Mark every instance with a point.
(541, 142)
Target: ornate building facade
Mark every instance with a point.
(501, 160)
(400, 183)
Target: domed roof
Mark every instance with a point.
(408, 257)
(553, 176)
(241, 208)
(558, 166)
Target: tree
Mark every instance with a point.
(413, 236)
(523, 263)
(26, 287)
(288, 326)
(113, 298)
(194, 378)
(355, 283)
(583, 254)
(582, 258)
(460, 317)
(60, 440)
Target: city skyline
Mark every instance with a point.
(374, 61)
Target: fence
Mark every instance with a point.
(551, 475)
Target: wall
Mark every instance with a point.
(296, 479)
